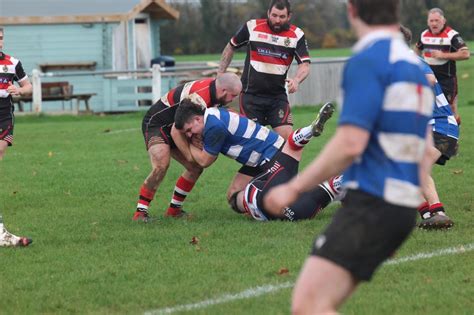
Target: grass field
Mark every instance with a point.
(71, 184)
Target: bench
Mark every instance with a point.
(57, 91)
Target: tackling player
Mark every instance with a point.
(162, 142)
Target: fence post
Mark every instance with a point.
(37, 96)
(156, 82)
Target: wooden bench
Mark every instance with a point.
(57, 91)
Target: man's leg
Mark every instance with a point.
(322, 287)
(184, 184)
(3, 148)
(159, 154)
(432, 212)
(302, 136)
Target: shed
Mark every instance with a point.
(62, 35)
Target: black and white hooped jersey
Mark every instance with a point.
(269, 56)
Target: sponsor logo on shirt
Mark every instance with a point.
(269, 53)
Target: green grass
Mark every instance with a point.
(73, 188)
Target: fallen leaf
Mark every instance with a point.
(136, 168)
(194, 240)
(107, 130)
(283, 271)
(457, 172)
(50, 153)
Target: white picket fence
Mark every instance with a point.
(126, 91)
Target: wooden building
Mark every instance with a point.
(86, 35)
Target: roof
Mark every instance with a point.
(83, 11)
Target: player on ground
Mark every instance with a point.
(11, 71)
(259, 149)
(163, 143)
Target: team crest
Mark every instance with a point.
(287, 42)
(5, 68)
(281, 113)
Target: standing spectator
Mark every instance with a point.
(162, 142)
(441, 47)
(381, 143)
(10, 70)
(272, 44)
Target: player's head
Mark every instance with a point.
(278, 15)
(189, 117)
(228, 87)
(1, 38)
(374, 12)
(406, 34)
(436, 20)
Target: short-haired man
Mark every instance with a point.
(11, 71)
(272, 44)
(441, 46)
(262, 152)
(381, 144)
(445, 135)
(163, 142)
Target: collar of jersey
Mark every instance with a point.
(372, 37)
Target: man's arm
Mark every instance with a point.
(25, 88)
(226, 58)
(346, 145)
(301, 74)
(462, 54)
(181, 143)
(201, 157)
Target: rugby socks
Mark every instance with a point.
(181, 190)
(437, 208)
(300, 137)
(146, 196)
(424, 210)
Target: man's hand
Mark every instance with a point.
(13, 89)
(292, 85)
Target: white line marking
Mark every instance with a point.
(119, 131)
(262, 290)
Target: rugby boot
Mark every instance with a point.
(437, 221)
(175, 212)
(141, 215)
(324, 114)
(8, 239)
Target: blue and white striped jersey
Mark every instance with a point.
(239, 138)
(443, 120)
(386, 93)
